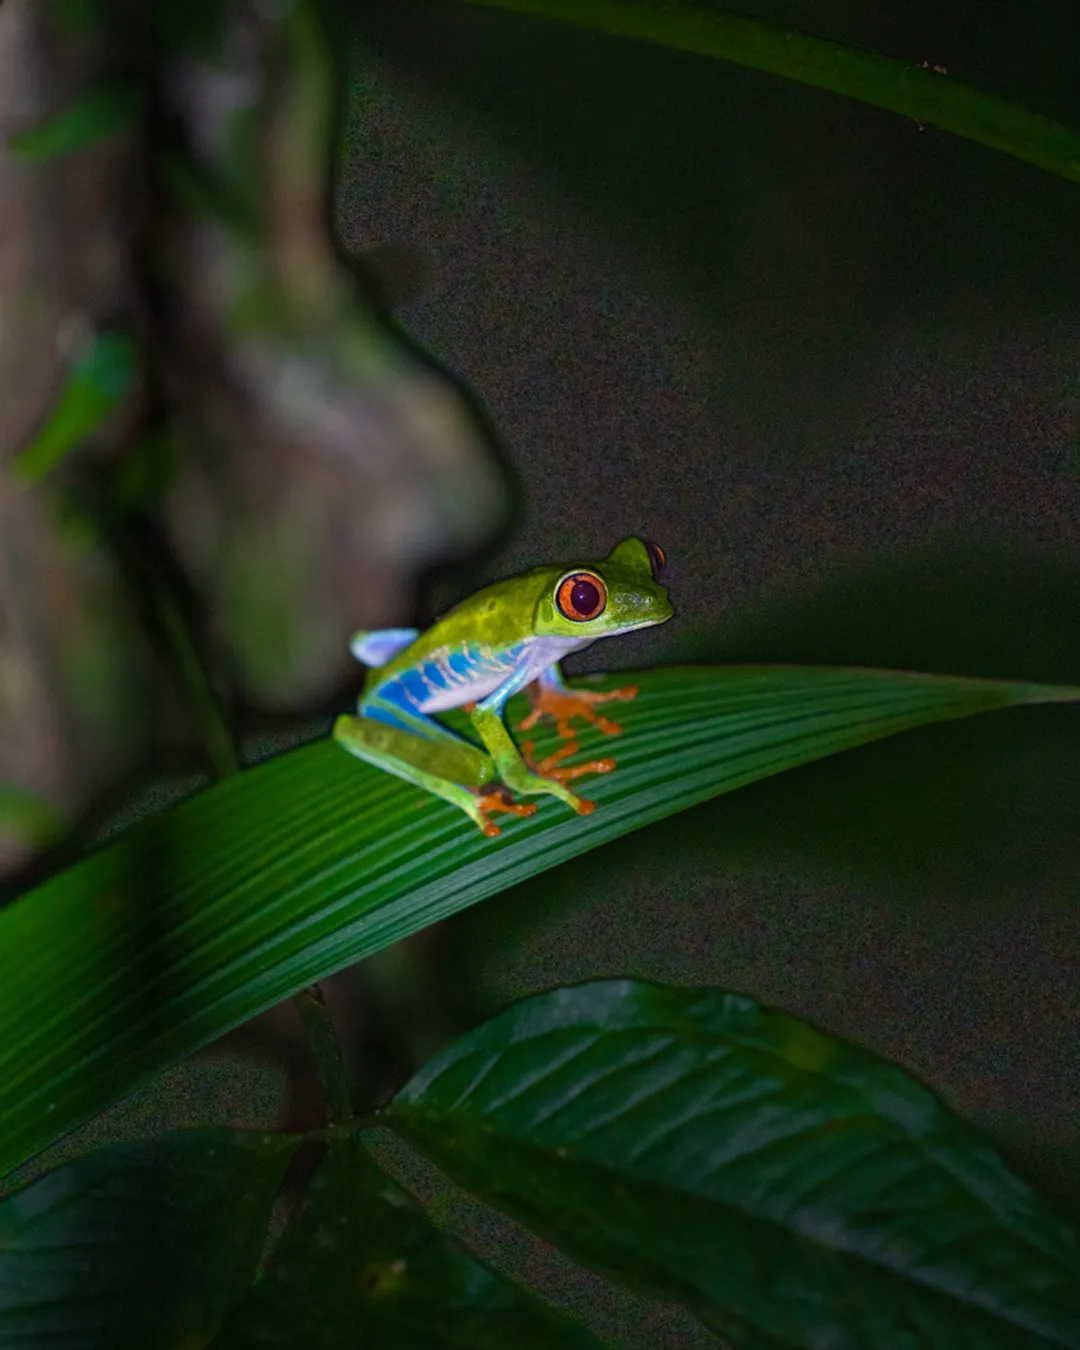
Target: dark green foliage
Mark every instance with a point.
(364, 1261)
(102, 111)
(139, 1245)
(790, 1189)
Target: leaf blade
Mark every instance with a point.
(91, 117)
(144, 1243)
(363, 1264)
(99, 381)
(194, 920)
(788, 1188)
(922, 92)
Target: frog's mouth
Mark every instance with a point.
(642, 623)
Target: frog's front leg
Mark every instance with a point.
(509, 765)
(550, 695)
(423, 752)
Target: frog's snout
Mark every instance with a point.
(659, 608)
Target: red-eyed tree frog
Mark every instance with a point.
(475, 657)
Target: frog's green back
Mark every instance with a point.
(496, 617)
(618, 594)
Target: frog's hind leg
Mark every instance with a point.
(428, 755)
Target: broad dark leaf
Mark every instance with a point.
(145, 1244)
(790, 1189)
(363, 1265)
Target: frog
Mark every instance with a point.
(508, 637)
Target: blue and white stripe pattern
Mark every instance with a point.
(469, 671)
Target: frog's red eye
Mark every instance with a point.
(581, 596)
(657, 559)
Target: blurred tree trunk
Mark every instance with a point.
(276, 465)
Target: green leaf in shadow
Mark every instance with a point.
(29, 816)
(102, 111)
(99, 381)
(194, 920)
(790, 1189)
(920, 92)
(142, 1244)
(364, 1265)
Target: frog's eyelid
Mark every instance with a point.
(657, 558)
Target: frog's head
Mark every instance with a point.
(614, 596)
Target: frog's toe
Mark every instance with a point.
(497, 799)
(552, 768)
(564, 704)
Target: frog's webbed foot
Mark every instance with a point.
(551, 767)
(562, 704)
(497, 799)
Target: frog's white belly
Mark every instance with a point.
(468, 691)
(486, 673)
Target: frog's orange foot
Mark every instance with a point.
(499, 799)
(562, 704)
(550, 766)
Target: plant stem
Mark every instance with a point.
(199, 693)
(157, 584)
(329, 1065)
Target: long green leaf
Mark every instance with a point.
(193, 921)
(363, 1265)
(790, 1189)
(146, 1244)
(920, 92)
